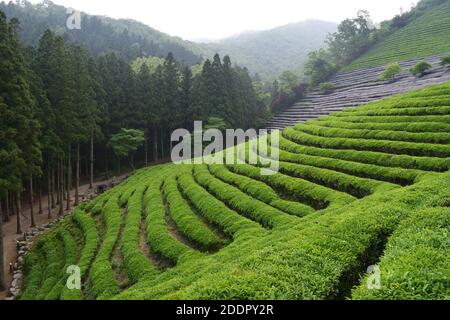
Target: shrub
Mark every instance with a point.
(420, 68)
(254, 209)
(445, 61)
(391, 72)
(415, 263)
(104, 283)
(158, 236)
(326, 87)
(185, 219)
(260, 191)
(216, 211)
(136, 263)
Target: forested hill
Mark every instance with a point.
(128, 38)
(427, 34)
(271, 52)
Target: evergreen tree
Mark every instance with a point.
(21, 127)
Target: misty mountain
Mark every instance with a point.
(271, 52)
(128, 38)
(267, 53)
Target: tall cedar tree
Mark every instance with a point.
(21, 155)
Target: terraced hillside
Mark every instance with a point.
(364, 186)
(354, 88)
(427, 35)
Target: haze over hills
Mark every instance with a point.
(128, 38)
(267, 53)
(271, 52)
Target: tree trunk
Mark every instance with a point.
(56, 185)
(33, 223)
(18, 213)
(7, 207)
(91, 162)
(162, 144)
(40, 196)
(119, 166)
(146, 150)
(106, 161)
(155, 144)
(69, 177)
(77, 175)
(60, 188)
(2, 261)
(131, 162)
(50, 191)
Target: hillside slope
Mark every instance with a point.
(346, 184)
(354, 88)
(128, 38)
(427, 35)
(271, 52)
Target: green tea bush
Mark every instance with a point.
(102, 277)
(260, 191)
(137, 265)
(391, 71)
(415, 262)
(420, 68)
(420, 137)
(158, 235)
(185, 219)
(392, 147)
(254, 209)
(215, 211)
(369, 157)
(445, 61)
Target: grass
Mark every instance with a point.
(367, 186)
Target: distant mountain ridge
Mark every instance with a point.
(273, 51)
(128, 38)
(267, 53)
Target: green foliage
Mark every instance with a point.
(395, 147)
(425, 34)
(319, 67)
(152, 63)
(391, 71)
(288, 81)
(352, 38)
(20, 155)
(216, 211)
(366, 180)
(420, 68)
(260, 191)
(256, 210)
(185, 219)
(137, 265)
(102, 278)
(445, 61)
(413, 266)
(268, 53)
(126, 141)
(100, 35)
(326, 87)
(158, 235)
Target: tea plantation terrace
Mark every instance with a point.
(369, 185)
(356, 88)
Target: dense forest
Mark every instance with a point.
(66, 115)
(129, 39)
(267, 53)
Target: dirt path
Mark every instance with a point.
(9, 228)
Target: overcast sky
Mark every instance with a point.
(212, 19)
